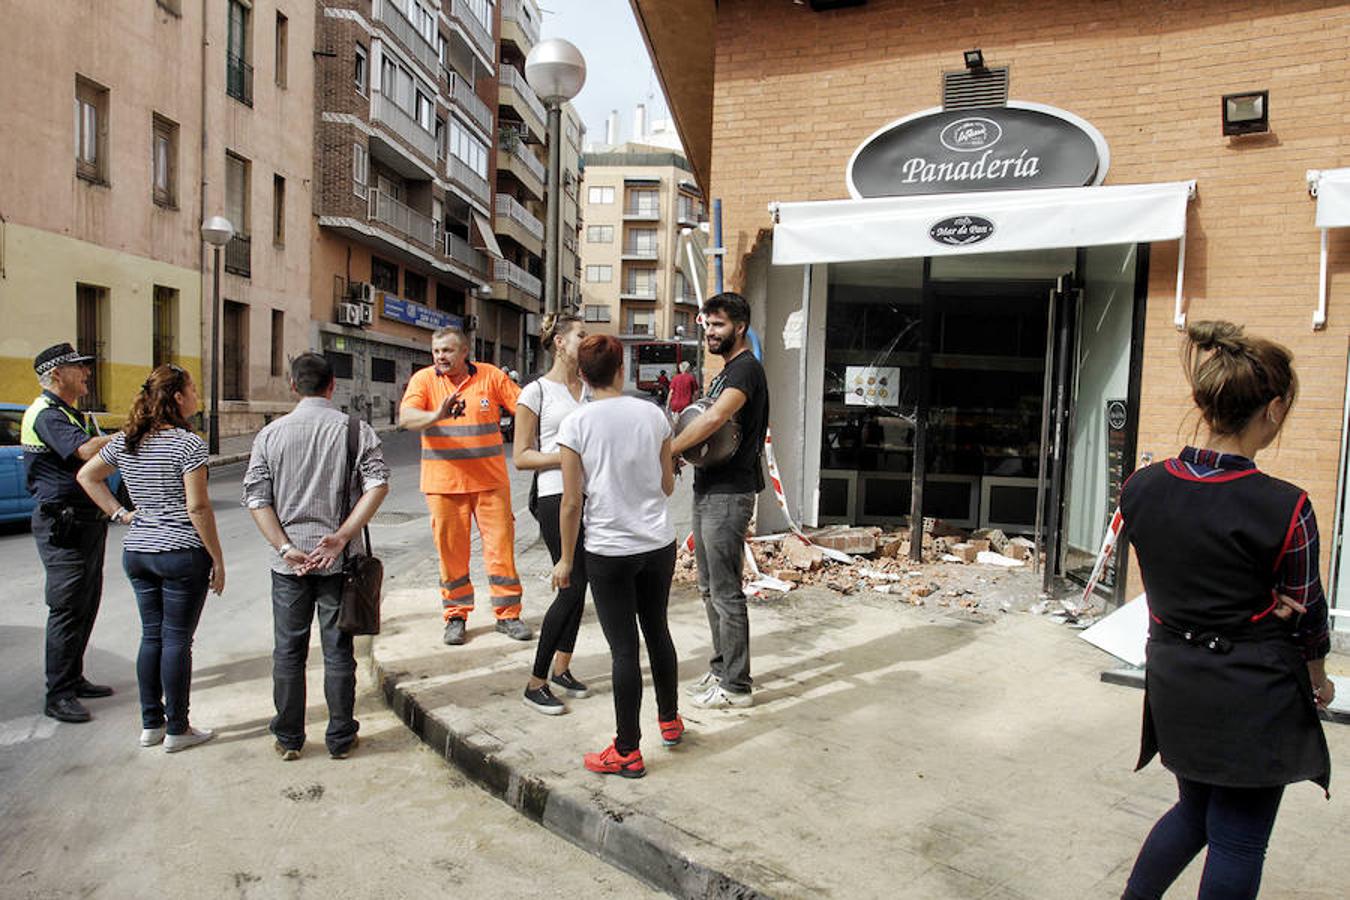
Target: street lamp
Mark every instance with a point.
(556, 70)
(216, 231)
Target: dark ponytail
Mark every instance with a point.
(157, 404)
(1234, 376)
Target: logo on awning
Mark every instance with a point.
(969, 135)
(959, 231)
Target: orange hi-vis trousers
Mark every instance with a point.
(451, 516)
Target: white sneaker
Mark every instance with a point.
(190, 738)
(717, 698)
(152, 736)
(703, 685)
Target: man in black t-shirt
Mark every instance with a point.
(724, 499)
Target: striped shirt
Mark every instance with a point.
(1297, 577)
(153, 474)
(297, 467)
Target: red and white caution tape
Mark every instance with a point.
(1103, 555)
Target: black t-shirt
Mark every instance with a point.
(742, 474)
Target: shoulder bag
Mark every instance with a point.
(362, 574)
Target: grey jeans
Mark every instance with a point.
(295, 599)
(720, 521)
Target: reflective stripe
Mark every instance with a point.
(458, 601)
(503, 581)
(28, 436)
(463, 452)
(457, 583)
(461, 430)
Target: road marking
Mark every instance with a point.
(26, 728)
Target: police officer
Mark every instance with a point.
(69, 529)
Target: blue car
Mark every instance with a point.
(15, 502)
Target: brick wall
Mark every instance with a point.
(797, 91)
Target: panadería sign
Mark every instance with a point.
(1021, 145)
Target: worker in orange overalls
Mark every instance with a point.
(457, 406)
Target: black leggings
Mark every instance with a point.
(633, 591)
(558, 634)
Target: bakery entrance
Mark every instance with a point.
(987, 390)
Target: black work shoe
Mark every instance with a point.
(454, 632)
(67, 709)
(86, 689)
(570, 686)
(347, 750)
(541, 699)
(515, 629)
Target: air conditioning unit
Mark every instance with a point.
(367, 314)
(349, 314)
(361, 292)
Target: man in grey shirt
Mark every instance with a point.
(294, 489)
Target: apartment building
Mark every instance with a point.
(639, 198)
(99, 206)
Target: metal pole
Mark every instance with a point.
(1044, 450)
(919, 463)
(717, 245)
(213, 426)
(1054, 516)
(553, 227)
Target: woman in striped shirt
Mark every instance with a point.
(171, 552)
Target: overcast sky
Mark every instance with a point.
(619, 73)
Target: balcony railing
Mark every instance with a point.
(408, 35)
(471, 181)
(688, 297)
(459, 250)
(521, 151)
(238, 79)
(639, 251)
(511, 78)
(470, 102)
(508, 206)
(514, 11)
(239, 255)
(389, 113)
(638, 292)
(479, 33)
(642, 211)
(508, 272)
(402, 218)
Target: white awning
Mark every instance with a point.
(896, 227)
(486, 239)
(1331, 187)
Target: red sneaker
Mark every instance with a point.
(672, 731)
(610, 761)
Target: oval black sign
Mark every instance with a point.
(958, 231)
(987, 149)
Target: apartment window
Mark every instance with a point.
(384, 275)
(640, 321)
(600, 196)
(599, 274)
(468, 149)
(361, 73)
(643, 202)
(164, 319)
(283, 27)
(164, 160)
(234, 352)
(238, 252)
(360, 169)
(682, 321)
(278, 343)
(91, 329)
(482, 10)
(414, 286)
(278, 210)
(425, 112)
(600, 234)
(382, 370)
(642, 240)
(341, 363)
(91, 131)
(238, 70)
(597, 313)
(449, 300)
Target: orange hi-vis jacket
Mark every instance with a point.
(464, 454)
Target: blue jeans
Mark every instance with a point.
(295, 600)
(170, 592)
(1234, 822)
(720, 521)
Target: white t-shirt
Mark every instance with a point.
(619, 440)
(556, 402)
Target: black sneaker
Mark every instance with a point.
(570, 686)
(541, 699)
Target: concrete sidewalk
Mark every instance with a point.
(892, 751)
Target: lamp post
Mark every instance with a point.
(216, 231)
(556, 70)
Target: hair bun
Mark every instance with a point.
(1216, 335)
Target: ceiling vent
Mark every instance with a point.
(973, 88)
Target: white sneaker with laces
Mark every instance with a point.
(152, 736)
(717, 698)
(703, 685)
(190, 738)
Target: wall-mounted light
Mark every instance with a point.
(975, 60)
(1246, 113)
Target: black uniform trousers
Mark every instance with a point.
(74, 589)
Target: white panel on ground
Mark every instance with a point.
(1124, 633)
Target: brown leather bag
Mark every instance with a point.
(362, 574)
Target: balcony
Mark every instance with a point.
(687, 215)
(459, 251)
(402, 218)
(642, 212)
(515, 157)
(519, 224)
(687, 297)
(389, 114)
(479, 34)
(239, 255)
(517, 94)
(469, 180)
(514, 285)
(238, 79)
(639, 251)
(469, 102)
(407, 34)
(643, 292)
(517, 16)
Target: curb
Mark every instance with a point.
(637, 844)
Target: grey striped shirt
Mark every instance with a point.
(297, 466)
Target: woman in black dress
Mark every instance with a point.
(1238, 623)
